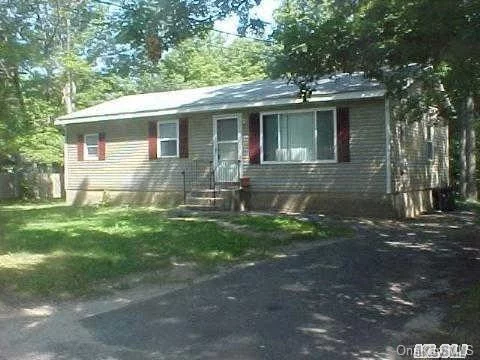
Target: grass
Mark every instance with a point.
(57, 251)
(469, 205)
(293, 228)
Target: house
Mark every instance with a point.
(341, 151)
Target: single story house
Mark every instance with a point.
(341, 151)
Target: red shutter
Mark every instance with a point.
(183, 137)
(254, 138)
(152, 140)
(80, 146)
(101, 146)
(343, 135)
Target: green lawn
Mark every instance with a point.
(470, 205)
(294, 228)
(59, 251)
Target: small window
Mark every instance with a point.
(168, 139)
(91, 147)
(429, 142)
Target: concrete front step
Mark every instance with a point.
(221, 199)
(208, 193)
(205, 201)
(199, 207)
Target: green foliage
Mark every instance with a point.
(208, 61)
(151, 27)
(103, 52)
(44, 145)
(384, 38)
(295, 228)
(320, 37)
(316, 38)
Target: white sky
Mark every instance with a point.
(264, 11)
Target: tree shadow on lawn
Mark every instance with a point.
(42, 256)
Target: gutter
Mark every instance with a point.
(354, 95)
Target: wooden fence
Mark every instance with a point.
(32, 184)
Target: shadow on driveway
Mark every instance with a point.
(350, 300)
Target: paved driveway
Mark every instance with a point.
(355, 299)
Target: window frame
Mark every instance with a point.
(159, 140)
(314, 110)
(430, 136)
(86, 155)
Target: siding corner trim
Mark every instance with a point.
(388, 145)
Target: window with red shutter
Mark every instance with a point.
(101, 146)
(183, 137)
(254, 138)
(80, 145)
(343, 135)
(152, 140)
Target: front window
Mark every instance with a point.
(168, 139)
(91, 146)
(429, 142)
(299, 136)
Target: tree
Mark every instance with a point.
(58, 55)
(209, 60)
(41, 49)
(378, 35)
(154, 26)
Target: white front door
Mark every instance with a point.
(226, 148)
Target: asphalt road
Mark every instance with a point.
(355, 299)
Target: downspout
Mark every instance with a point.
(388, 136)
(65, 160)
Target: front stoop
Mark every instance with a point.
(209, 199)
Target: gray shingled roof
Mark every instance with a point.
(230, 96)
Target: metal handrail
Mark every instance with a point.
(198, 172)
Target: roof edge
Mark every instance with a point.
(354, 95)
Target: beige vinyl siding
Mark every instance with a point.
(127, 167)
(200, 137)
(412, 169)
(365, 173)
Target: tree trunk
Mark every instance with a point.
(468, 180)
(18, 88)
(471, 150)
(463, 152)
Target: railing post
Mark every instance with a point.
(184, 188)
(210, 178)
(214, 187)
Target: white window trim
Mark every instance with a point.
(237, 116)
(86, 156)
(431, 133)
(159, 148)
(314, 110)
